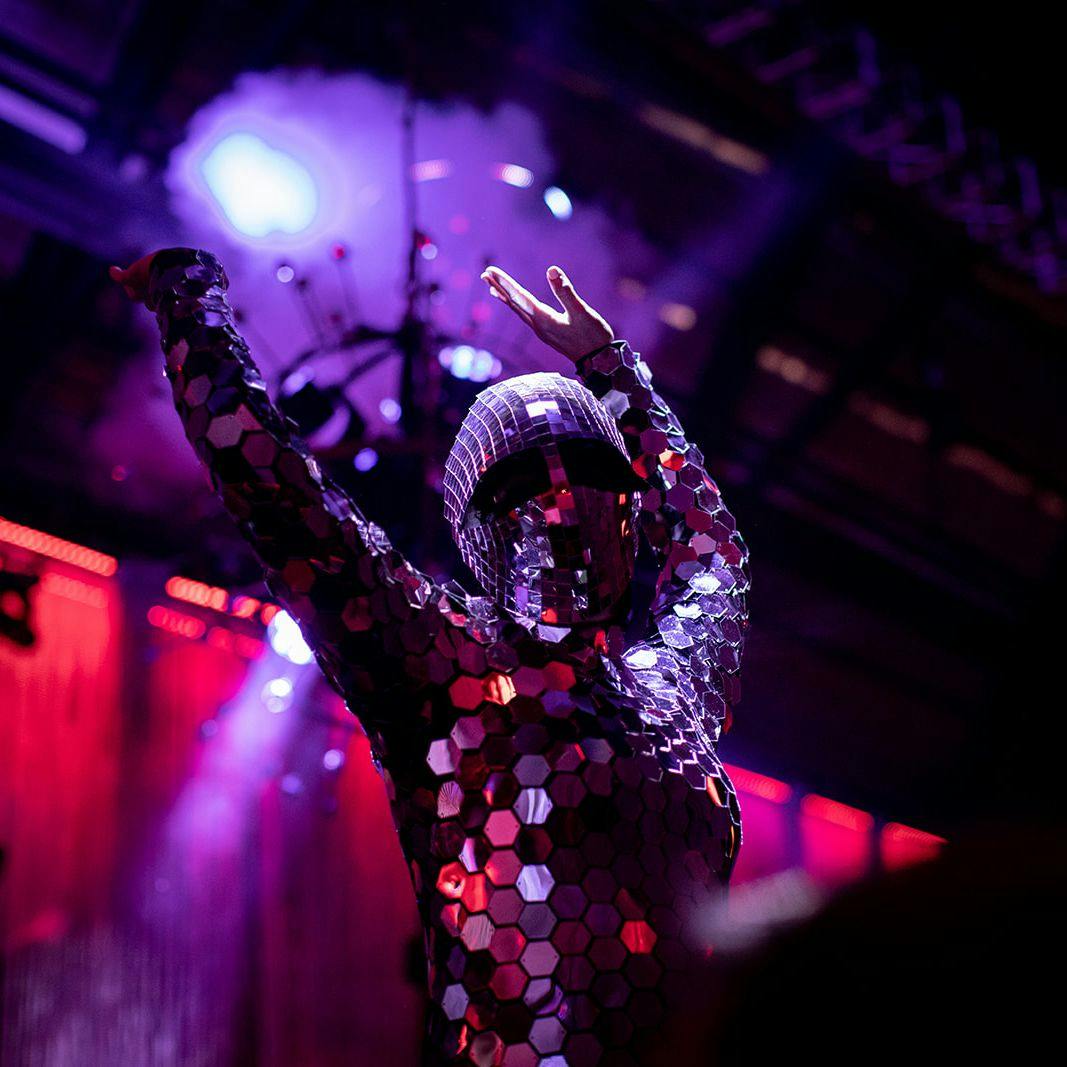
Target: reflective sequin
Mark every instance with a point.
(558, 796)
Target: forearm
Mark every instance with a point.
(682, 511)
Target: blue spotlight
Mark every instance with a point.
(559, 203)
(468, 363)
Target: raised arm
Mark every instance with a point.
(682, 512)
(699, 610)
(362, 607)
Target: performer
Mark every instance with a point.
(558, 796)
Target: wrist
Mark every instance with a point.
(172, 269)
(590, 354)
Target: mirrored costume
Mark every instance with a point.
(557, 794)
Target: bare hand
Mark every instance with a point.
(134, 279)
(574, 331)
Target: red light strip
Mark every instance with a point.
(242, 644)
(759, 785)
(211, 596)
(83, 592)
(205, 596)
(176, 622)
(43, 544)
(835, 812)
(898, 832)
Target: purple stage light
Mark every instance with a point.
(40, 121)
(514, 174)
(365, 459)
(333, 759)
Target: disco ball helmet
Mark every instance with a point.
(541, 499)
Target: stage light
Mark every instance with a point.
(390, 409)
(277, 695)
(285, 274)
(428, 251)
(333, 759)
(833, 811)
(559, 203)
(287, 640)
(192, 592)
(56, 548)
(365, 459)
(759, 785)
(261, 190)
(678, 316)
(42, 122)
(176, 622)
(430, 170)
(469, 363)
(513, 174)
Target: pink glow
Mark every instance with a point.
(836, 841)
(835, 812)
(902, 846)
(758, 785)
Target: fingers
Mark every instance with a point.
(519, 299)
(563, 291)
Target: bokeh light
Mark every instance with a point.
(262, 190)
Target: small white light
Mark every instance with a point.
(390, 409)
(277, 695)
(261, 189)
(513, 174)
(333, 759)
(559, 203)
(287, 640)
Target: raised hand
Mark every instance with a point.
(134, 279)
(574, 331)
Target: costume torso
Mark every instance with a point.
(558, 797)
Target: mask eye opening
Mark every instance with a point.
(507, 484)
(598, 465)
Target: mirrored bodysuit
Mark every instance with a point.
(557, 792)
